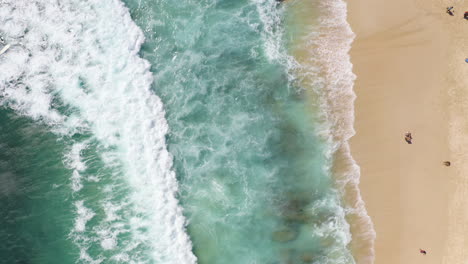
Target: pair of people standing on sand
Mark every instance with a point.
(451, 12)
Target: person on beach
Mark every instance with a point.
(408, 138)
(447, 163)
(450, 10)
(465, 16)
(422, 251)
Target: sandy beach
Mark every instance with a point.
(409, 61)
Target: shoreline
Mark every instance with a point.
(321, 51)
(410, 78)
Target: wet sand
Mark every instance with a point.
(409, 61)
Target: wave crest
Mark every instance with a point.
(74, 65)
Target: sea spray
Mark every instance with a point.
(74, 66)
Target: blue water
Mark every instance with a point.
(200, 146)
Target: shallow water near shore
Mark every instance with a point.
(209, 149)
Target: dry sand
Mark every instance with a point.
(409, 60)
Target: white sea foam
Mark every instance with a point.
(332, 52)
(74, 161)
(84, 256)
(327, 73)
(273, 33)
(75, 66)
(83, 215)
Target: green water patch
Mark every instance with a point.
(35, 200)
(39, 207)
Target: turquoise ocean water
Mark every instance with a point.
(171, 132)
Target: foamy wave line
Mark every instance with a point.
(74, 65)
(271, 15)
(330, 58)
(327, 73)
